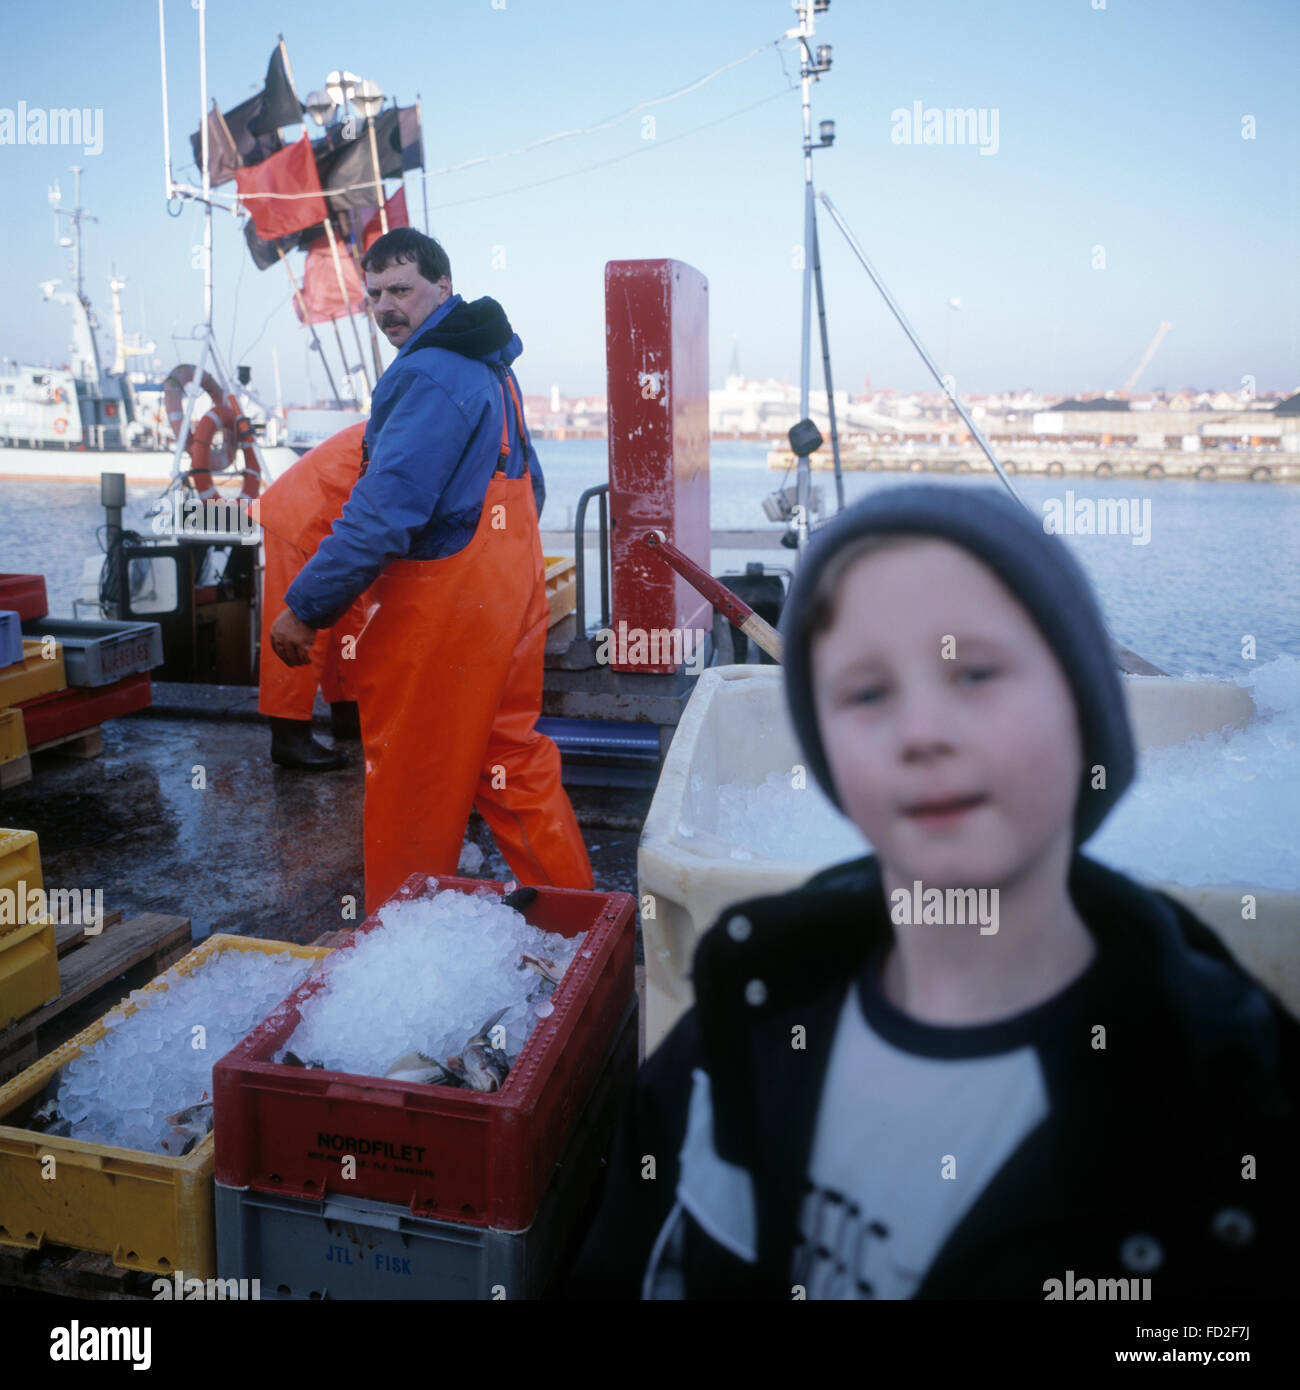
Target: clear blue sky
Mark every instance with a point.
(1119, 127)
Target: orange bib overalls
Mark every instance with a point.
(449, 684)
(296, 514)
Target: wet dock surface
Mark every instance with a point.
(245, 846)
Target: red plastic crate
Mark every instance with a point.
(83, 707)
(24, 594)
(480, 1159)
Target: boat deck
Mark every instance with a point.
(257, 850)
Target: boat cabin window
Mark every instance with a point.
(154, 586)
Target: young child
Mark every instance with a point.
(1040, 1078)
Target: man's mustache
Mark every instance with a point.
(391, 320)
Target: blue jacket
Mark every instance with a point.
(433, 440)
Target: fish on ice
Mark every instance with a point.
(419, 1070)
(291, 1059)
(544, 966)
(481, 1066)
(46, 1112)
(189, 1126)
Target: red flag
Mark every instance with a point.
(395, 207)
(320, 285)
(292, 171)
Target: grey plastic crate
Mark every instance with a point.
(355, 1248)
(99, 653)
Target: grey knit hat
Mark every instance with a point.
(1039, 571)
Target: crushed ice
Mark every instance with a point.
(1215, 810)
(775, 820)
(426, 980)
(1222, 809)
(147, 1066)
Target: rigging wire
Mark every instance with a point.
(234, 311)
(243, 356)
(603, 125)
(220, 199)
(945, 383)
(644, 148)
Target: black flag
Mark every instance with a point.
(264, 253)
(249, 147)
(223, 158)
(410, 138)
(349, 163)
(280, 104)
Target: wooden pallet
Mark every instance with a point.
(61, 1270)
(140, 948)
(15, 772)
(83, 743)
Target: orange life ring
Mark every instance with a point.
(237, 432)
(60, 425)
(226, 416)
(110, 409)
(174, 394)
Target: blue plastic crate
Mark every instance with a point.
(355, 1248)
(11, 637)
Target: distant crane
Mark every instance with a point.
(1146, 358)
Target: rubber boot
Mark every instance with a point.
(293, 746)
(345, 719)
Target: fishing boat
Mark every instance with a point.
(95, 415)
(651, 735)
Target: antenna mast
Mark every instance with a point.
(209, 354)
(805, 438)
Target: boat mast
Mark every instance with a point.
(90, 370)
(810, 70)
(167, 139)
(85, 349)
(207, 173)
(209, 354)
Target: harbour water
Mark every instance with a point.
(1219, 562)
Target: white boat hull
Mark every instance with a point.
(83, 466)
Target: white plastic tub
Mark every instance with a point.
(735, 729)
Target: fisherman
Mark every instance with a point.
(296, 513)
(443, 523)
(1073, 1082)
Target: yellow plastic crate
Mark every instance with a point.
(29, 957)
(20, 859)
(34, 675)
(29, 969)
(561, 586)
(13, 738)
(147, 1211)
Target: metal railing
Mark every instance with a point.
(601, 490)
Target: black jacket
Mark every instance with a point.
(1138, 1169)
